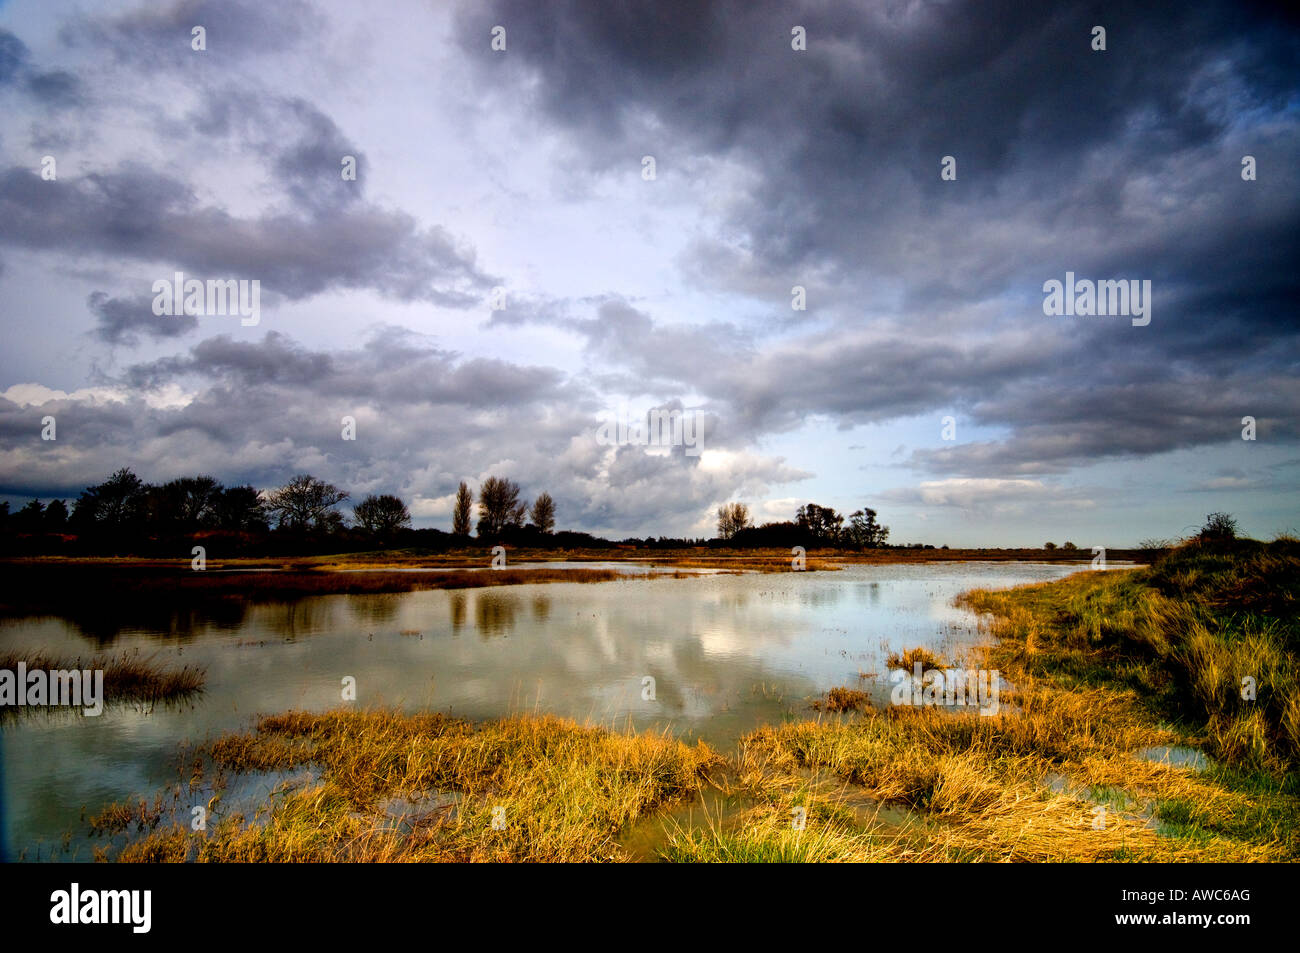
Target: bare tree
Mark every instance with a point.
(305, 502)
(185, 502)
(382, 515)
(240, 508)
(544, 513)
(498, 501)
(462, 510)
(117, 502)
(1219, 526)
(732, 518)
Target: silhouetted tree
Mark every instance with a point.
(305, 502)
(183, 504)
(56, 516)
(1219, 526)
(544, 513)
(498, 501)
(820, 522)
(28, 519)
(381, 515)
(116, 503)
(732, 518)
(462, 510)
(864, 531)
(240, 509)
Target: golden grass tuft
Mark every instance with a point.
(844, 699)
(908, 659)
(529, 788)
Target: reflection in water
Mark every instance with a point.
(726, 654)
(458, 601)
(305, 617)
(102, 629)
(376, 611)
(821, 596)
(494, 611)
(734, 601)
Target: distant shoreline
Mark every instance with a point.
(770, 559)
(47, 584)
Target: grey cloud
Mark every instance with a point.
(158, 35)
(51, 88)
(122, 320)
(56, 88)
(13, 56)
(137, 214)
(1117, 164)
(426, 419)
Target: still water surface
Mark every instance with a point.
(726, 652)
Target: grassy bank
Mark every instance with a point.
(1208, 637)
(1108, 669)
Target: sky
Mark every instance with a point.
(610, 212)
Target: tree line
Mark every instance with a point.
(125, 505)
(125, 509)
(812, 525)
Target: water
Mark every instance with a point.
(726, 653)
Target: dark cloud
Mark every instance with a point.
(427, 418)
(1117, 419)
(159, 35)
(122, 320)
(13, 56)
(1123, 163)
(817, 168)
(57, 88)
(52, 88)
(138, 214)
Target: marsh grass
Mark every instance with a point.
(1105, 666)
(563, 791)
(764, 836)
(1182, 635)
(844, 699)
(128, 678)
(908, 659)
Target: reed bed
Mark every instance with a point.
(129, 678)
(529, 788)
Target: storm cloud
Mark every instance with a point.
(518, 175)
